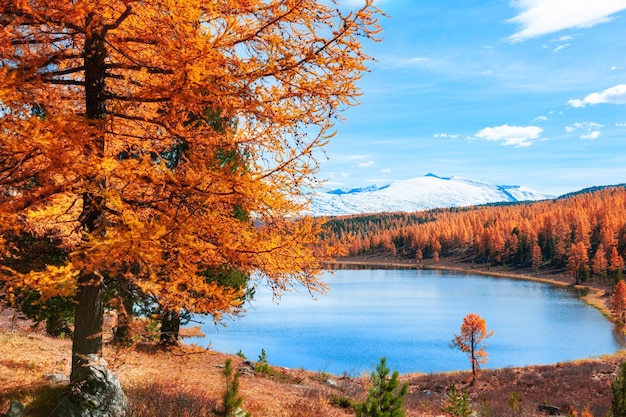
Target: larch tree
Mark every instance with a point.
(156, 138)
(618, 301)
(599, 263)
(578, 262)
(470, 340)
(616, 264)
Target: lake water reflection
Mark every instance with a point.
(410, 317)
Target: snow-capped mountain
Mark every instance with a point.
(422, 193)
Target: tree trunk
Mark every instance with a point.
(123, 334)
(56, 325)
(89, 316)
(88, 325)
(170, 327)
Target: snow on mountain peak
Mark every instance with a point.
(415, 194)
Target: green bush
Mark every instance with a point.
(384, 398)
(618, 405)
(231, 401)
(262, 365)
(457, 404)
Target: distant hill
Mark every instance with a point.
(422, 193)
(591, 190)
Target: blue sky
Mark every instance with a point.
(525, 92)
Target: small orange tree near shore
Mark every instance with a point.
(473, 333)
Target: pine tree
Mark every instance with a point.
(384, 398)
(618, 404)
(232, 401)
(457, 404)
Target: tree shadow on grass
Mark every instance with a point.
(40, 400)
(159, 400)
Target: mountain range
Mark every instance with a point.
(415, 194)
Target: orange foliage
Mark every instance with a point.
(158, 137)
(618, 300)
(473, 333)
(584, 232)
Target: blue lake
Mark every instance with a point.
(410, 317)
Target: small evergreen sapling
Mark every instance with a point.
(232, 401)
(262, 365)
(457, 404)
(618, 404)
(384, 398)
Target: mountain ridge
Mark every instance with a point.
(421, 193)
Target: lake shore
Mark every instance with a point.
(155, 380)
(597, 293)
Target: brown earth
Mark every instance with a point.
(187, 380)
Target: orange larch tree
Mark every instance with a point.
(599, 264)
(473, 333)
(157, 138)
(616, 264)
(618, 301)
(578, 262)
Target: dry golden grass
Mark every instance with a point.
(187, 380)
(181, 381)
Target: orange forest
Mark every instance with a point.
(585, 233)
(159, 148)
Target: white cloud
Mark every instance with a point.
(613, 95)
(385, 170)
(620, 124)
(365, 164)
(519, 136)
(541, 17)
(561, 47)
(590, 129)
(591, 136)
(540, 119)
(614, 67)
(445, 135)
(584, 126)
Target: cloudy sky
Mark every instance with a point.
(525, 92)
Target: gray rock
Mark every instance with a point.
(99, 395)
(549, 409)
(16, 409)
(56, 378)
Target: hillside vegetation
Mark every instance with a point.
(583, 233)
(187, 381)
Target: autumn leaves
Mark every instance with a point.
(156, 140)
(470, 340)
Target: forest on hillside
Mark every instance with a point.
(586, 233)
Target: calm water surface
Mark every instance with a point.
(410, 317)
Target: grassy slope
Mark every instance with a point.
(187, 381)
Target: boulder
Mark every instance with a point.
(549, 409)
(99, 395)
(16, 409)
(56, 378)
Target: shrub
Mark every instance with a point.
(341, 401)
(618, 404)
(384, 398)
(457, 404)
(231, 401)
(262, 365)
